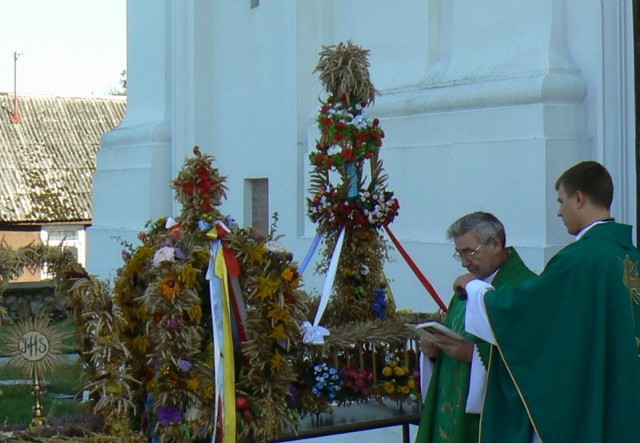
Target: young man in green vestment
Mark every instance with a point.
(454, 397)
(568, 339)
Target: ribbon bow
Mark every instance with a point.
(313, 334)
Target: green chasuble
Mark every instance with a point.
(568, 342)
(443, 416)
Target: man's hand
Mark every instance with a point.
(461, 282)
(429, 349)
(459, 349)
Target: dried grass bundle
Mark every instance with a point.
(344, 72)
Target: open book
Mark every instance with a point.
(428, 330)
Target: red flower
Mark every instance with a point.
(290, 298)
(339, 137)
(376, 122)
(340, 126)
(348, 154)
(326, 121)
(206, 204)
(203, 173)
(188, 187)
(362, 136)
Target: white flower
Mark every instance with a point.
(164, 254)
(360, 121)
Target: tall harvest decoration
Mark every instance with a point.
(351, 212)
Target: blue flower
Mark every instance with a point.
(380, 303)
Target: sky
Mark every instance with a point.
(70, 48)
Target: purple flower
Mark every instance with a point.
(174, 323)
(184, 365)
(179, 254)
(168, 415)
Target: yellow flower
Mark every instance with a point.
(388, 387)
(255, 254)
(277, 362)
(387, 371)
(200, 257)
(141, 343)
(277, 313)
(411, 383)
(170, 287)
(193, 384)
(287, 274)
(188, 275)
(404, 389)
(266, 287)
(209, 390)
(398, 371)
(113, 387)
(278, 333)
(195, 313)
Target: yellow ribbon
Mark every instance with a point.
(229, 393)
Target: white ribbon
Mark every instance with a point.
(216, 326)
(170, 223)
(315, 334)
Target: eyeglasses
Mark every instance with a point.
(466, 255)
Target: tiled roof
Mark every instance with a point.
(47, 161)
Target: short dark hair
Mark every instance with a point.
(483, 224)
(590, 178)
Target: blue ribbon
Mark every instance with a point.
(310, 252)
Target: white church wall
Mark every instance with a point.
(134, 162)
(482, 105)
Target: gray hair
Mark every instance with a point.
(483, 224)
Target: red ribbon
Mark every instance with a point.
(416, 271)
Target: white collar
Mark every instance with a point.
(586, 228)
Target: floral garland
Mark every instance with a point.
(348, 138)
(354, 137)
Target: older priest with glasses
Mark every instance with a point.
(568, 338)
(458, 367)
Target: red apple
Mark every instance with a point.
(241, 402)
(247, 414)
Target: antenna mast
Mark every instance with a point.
(15, 116)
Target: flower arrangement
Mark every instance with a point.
(399, 382)
(358, 383)
(326, 381)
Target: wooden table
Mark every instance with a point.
(357, 417)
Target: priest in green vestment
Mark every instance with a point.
(450, 412)
(568, 339)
